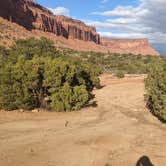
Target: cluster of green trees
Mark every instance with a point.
(126, 63)
(34, 74)
(156, 89)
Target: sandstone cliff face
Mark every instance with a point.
(134, 46)
(33, 16)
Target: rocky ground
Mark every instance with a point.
(118, 131)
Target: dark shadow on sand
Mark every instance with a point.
(144, 161)
(91, 104)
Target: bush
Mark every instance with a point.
(69, 98)
(33, 76)
(120, 74)
(128, 63)
(156, 90)
(34, 47)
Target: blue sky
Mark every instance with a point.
(82, 9)
(118, 18)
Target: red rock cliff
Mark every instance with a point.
(134, 46)
(33, 16)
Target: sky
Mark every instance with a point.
(118, 18)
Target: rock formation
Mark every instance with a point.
(33, 16)
(133, 46)
(39, 21)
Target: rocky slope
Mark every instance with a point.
(134, 46)
(33, 16)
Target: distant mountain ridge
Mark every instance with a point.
(64, 31)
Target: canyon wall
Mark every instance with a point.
(33, 16)
(126, 46)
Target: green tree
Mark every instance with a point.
(156, 89)
(7, 88)
(34, 75)
(33, 47)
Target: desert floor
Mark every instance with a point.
(116, 132)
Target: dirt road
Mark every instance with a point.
(117, 132)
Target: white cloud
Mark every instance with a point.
(146, 20)
(60, 11)
(124, 11)
(122, 35)
(118, 25)
(122, 20)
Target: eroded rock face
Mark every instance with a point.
(33, 16)
(134, 46)
(17, 11)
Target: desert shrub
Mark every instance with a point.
(34, 78)
(69, 85)
(69, 98)
(7, 89)
(128, 63)
(3, 55)
(132, 69)
(21, 84)
(155, 85)
(120, 74)
(33, 47)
